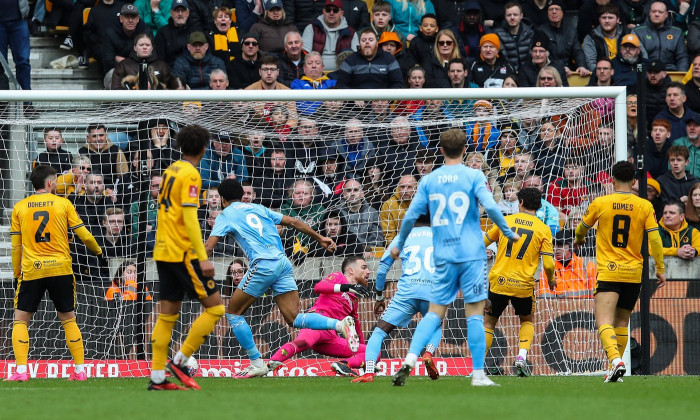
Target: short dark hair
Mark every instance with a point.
(230, 190)
(612, 9)
(428, 16)
(92, 127)
(352, 259)
(623, 171)
(40, 174)
(453, 142)
(192, 139)
(677, 203)
(677, 85)
(368, 31)
(681, 151)
(269, 59)
(457, 60)
(531, 198)
(513, 4)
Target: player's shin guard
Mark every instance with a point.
(622, 335)
(285, 352)
(527, 334)
(160, 340)
(424, 332)
(74, 339)
(244, 335)
(609, 341)
(20, 342)
(476, 339)
(314, 321)
(489, 338)
(374, 346)
(201, 328)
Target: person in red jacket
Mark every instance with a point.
(572, 189)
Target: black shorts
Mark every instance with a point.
(628, 292)
(29, 293)
(499, 303)
(180, 278)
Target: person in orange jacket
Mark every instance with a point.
(574, 275)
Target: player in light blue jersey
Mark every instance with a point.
(451, 196)
(412, 296)
(253, 227)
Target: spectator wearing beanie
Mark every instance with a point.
(563, 39)
(540, 57)
(490, 69)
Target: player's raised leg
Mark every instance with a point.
(304, 341)
(424, 332)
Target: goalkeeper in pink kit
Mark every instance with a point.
(339, 297)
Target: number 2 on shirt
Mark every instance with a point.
(458, 202)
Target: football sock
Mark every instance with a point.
(160, 340)
(489, 338)
(522, 353)
(424, 332)
(21, 369)
(315, 321)
(258, 363)
(527, 334)
(374, 346)
(285, 352)
(180, 359)
(20, 343)
(201, 328)
(244, 335)
(622, 335)
(476, 339)
(158, 376)
(434, 341)
(609, 341)
(74, 340)
(410, 359)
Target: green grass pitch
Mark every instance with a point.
(539, 398)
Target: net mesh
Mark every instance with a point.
(302, 158)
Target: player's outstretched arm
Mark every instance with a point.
(298, 225)
(581, 231)
(210, 244)
(657, 252)
(89, 240)
(189, 216)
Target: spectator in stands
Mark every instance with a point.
(676, 111)
(354, 147)
(424, 163)
(515, 36)
(172, 38)
(548, 77)
(74, 41)
(377, 114)
(692, 86)
(597, 44)
(360, 218)
(676, 183)
(161, 142)
(249, 194)
(415, 79)
(536, 11)
(114, 241)
(312, 78)
(654, 197)
(137, 220)
(234, 274)
(548, 153)
(92, 205)
(248, 12)
(501, 159)
(106, 158)
(482, 134)
(73, 181)
(406, 15)
(429, 134)
(303, 12)
(522, 167)
(540, 57)
(196, 65)
(547, 213)
(692, 142)
(155, 13)
(212, 201)
(423, 44)
(632, 120)
(398, 151)
(329, 34)
(571, 190)
(244, 71)
(390, 43)
(222, 161)
(300, 205)
(604, 74)
(218, 80)
(331, 172)
(508, 202)
(657, 146)
(566, 46)
(661, 41)
(575, 276)
(255, 152)
(471, 28)
(624, 64)
(678, 238)
(142, 53)
(124, 285)
(277, 178)
(633, 12)
(306, 151)
(436, 64)
(292, 60)
(102, 18)
(393, 210)
(54, 156)
(356, 14)
(346, 243)
(223, 39)
(692, 206)
(120, 40)
(375, 185)
(490, 68)
(370, 67)
(588, 16)
(272, 27)
(128, 187)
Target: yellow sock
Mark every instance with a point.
(160, 339)
(489, 338)
(20, 342)
(74, 339)
(609, 341)
(201, 328)
(622, 334)
(527, 334)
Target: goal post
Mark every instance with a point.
(116, 324)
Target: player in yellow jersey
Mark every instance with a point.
(41, 262)
(182, 263)
(623, 218)
(512, 277)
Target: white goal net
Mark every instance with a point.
(346, 165)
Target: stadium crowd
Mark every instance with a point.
(354, 178)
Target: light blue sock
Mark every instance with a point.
(314, 321)
(374, 345)
(476, 338)
(435, 340)
(424, 332)
(244, 335)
